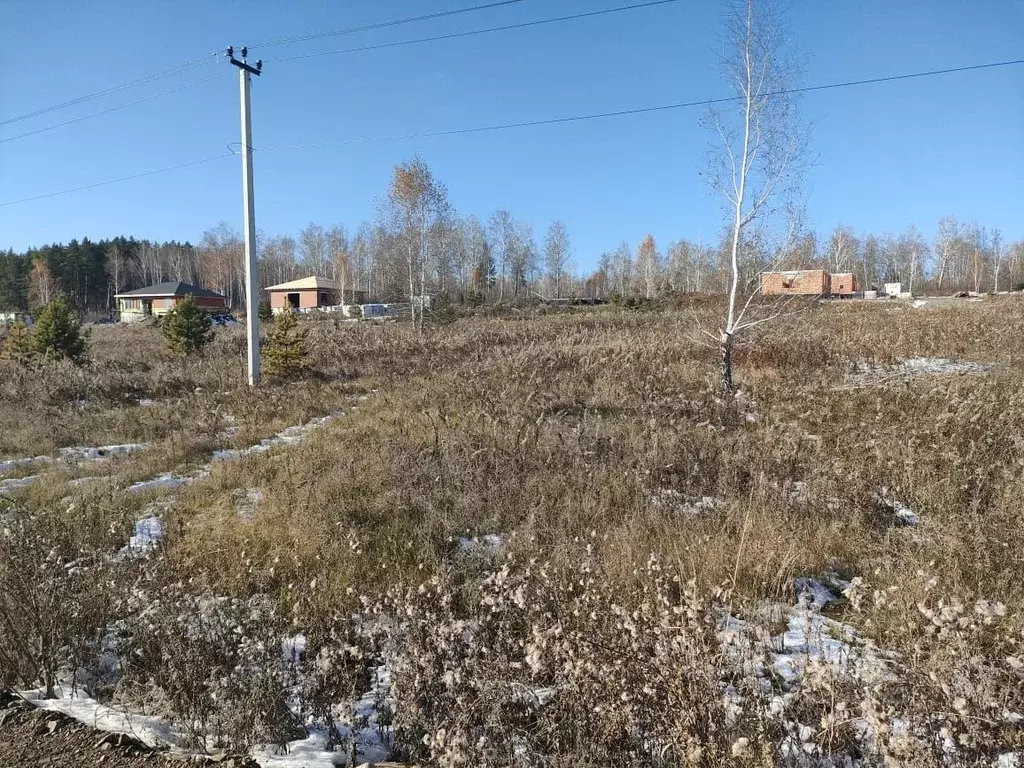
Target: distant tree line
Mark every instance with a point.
(418, 244)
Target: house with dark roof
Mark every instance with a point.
(157, 300)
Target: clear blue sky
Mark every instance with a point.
(886, 155)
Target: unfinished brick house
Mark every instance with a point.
(809, 282)
(799, 282)
(843, 285)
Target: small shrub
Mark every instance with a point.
(266, 312)
(58, 332)
(19, 345)
(188, 327)
(285, 350)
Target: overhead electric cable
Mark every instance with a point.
(470, 33)
(114, 108)
(112, 89)
(547, 121)
(117, 181)
(379, 25)
(144, 79)
(644, 110)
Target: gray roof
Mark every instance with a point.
(172, 288)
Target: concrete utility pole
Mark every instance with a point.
(252, 314)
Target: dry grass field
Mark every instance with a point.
(530, 538)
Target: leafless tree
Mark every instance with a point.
(757, 160)
(502, 229)
(996, 243)
(415, 203)
(338, 257)
(313, 249)
(120, 261)
(43, 285)
(556, 255)
(648, 263)
(841, 249)
(622, 269)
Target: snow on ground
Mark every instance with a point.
(79, 453)
(247, 504)
(9, 464)
(152, 730)
(916, 366)
(810, 637)
(903, 514)
(372, 739)
(670, 498)
(16, 484)
(148, 532)
(479, 546)
(166, 480)
(288, 436)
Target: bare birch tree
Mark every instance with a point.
(556, 256)
(842, 249)
(416, 203)
(648, 263)
(760, 143)
(502, 229)
(313, 249)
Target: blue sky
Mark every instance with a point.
(885, 155)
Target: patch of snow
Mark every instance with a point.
(247, 505)
(79, 453)
(810, 637)
(166, 480)
(915, 366)
(90, 480)
(670, 497)
(1010, 760)
(153, 731)
(16, 484)
(918, 303)
(812, 593)
(902, 514)
(148, 532)
(294, 648)
(287, 436)
(372, 737)
(145, 402)
(937, 365)
(8, 464)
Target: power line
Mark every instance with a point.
(185, 65)
(379, 25)
(646, 110)
(470, 33)
(188, 64)
(547, 121)
(117, 181)
(115, 108)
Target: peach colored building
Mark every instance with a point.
(311, 293)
